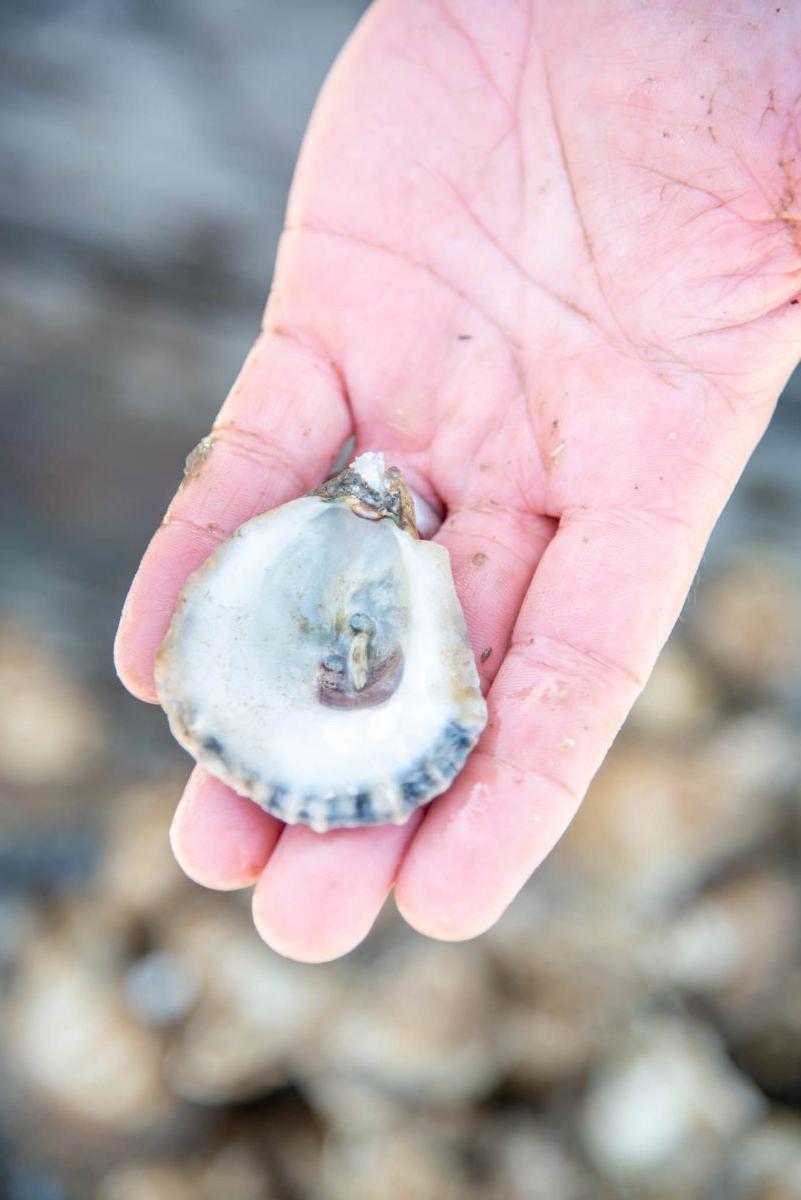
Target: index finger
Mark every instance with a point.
(276, 436)
(603, 600)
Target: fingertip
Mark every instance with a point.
(133, 674)
(477, 846)
(435, 897)
(321, 892)
(300, 940)
(291, 914)
(139, 686)
(219, 839)
(429, 912)
(176, 550)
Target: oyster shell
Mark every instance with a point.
(318, 662)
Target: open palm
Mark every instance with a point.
(545, 258)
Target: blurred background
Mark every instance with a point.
(631, 1029)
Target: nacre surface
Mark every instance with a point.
(319, 663)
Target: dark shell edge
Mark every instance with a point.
(431, 775)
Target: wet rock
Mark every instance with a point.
(664, 1108)
(748, 620)
(70, 1037)
(159, 989)
(658, 821)
(414, 1163)
(232, 1172)
(257, 1016)
(771, 1054)
(736, 946)
(18, 924)
(52, 732)
(527, 1159)
(295, 1145)
(570, 973)
(766, 1163)
(145, 1181)
(681, 697)
(138, 874)
(350, 1106)
(419, 1024)
(236, 1171)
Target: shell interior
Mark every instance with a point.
(319, 663)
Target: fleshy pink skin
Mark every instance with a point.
(545, 256)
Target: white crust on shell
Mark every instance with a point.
(372, 469)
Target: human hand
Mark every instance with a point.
(546, 258)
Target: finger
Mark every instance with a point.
(276, 436)
(606, 594)
(494, 551)
(321, 893)
(221, 839)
